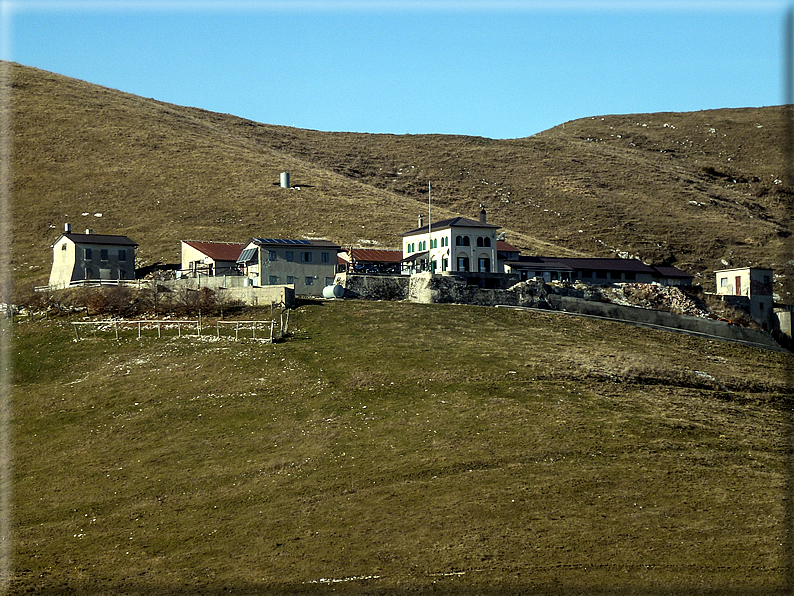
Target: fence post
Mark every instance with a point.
(272, 325)
(217, 329)
(179, 329)
(236, 329)
(253, 330)
(116, 326)
(139, 329)
(158, 330)
(76, 334)
(285, 331)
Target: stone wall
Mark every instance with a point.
(374, 287)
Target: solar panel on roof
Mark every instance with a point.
(281, 241)
(247, 255)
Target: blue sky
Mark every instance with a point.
(500, 69)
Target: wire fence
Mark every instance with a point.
(271, 329)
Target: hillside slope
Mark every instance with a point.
(695, 189)
(515, 453)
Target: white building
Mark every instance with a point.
(451, 245)
(91, 257)
(307, 265)
(752, 284)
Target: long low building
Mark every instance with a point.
(595, 270)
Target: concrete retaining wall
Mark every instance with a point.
(657, 318)
(248, 295)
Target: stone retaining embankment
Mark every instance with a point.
(584, 300)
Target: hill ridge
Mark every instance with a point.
(662, 187)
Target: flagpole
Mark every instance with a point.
(429, 232)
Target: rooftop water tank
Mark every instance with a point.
(285, 180)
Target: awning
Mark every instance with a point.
(416, 256)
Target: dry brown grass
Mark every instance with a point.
(437, 447)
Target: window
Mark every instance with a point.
(458, 240)
(329, 281)
(485, 265)
(630, 276)
(480, 242)
(486, 242)
(271, 255)
(122, 254)
(88, 254)
(273, 280)
(326, 257)
(723, 282)
(766, 280)
(444, 264)
(103, 254)
(309, 281)
(306, 257)
(463, 263)
(290, 279)
(63, 246)
(290, 256)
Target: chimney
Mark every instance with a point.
(482, 214)
(89, 231)
(67, 228)
(421, 221)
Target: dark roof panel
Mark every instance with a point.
(455, 222)
(99, 239)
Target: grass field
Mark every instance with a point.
(391, 448)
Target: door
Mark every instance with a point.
(738, 289)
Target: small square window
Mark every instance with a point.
(309, 281)
(63, 246)
(273, 280)
(122, 254)
(88, 254)
(306, 257)
(290, 279)
(103, 254)
(326, 257)
(272, 255)
(290, 256)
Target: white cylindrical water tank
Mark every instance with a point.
(284, 179)
(334, 291)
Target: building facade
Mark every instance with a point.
(751, 287)
(451, 245)
(211, 259)
(307, 265)
(91, 257)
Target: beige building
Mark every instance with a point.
(451, 245)
(91, 257)
(307, 265)
(211, 259)
(752, 286)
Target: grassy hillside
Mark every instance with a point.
(694, 189)
(414, 447)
